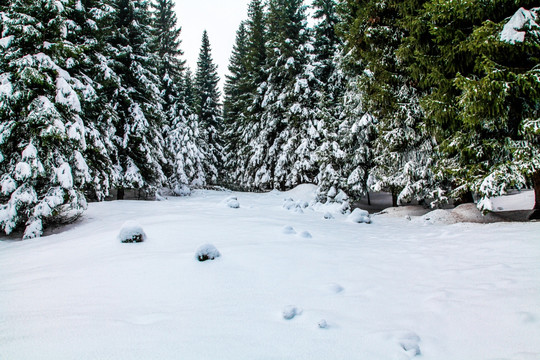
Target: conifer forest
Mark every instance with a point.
(431, 101)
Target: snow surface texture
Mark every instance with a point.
(513, 31)
(131, 232)
(387, 291)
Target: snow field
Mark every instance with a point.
(390, 290)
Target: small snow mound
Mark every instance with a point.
(323, 324)
(462, 213)
(232, 202)
(328, 216)
(207, 252)
(438, 216)
(160, 198)
(471, 213)
(359, 216)
(305, 192)
(405, 211)
(131, 232)
(306, 235)
(288, 230)
(290, 312)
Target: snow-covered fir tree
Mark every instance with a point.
(480, 91)
(184, 166)
(42, 134)
(330, 93)
(94, 19)
(403, 149)
(236, 104)
(137, 98)
(249, 64)
(283, 153)
(209, 110)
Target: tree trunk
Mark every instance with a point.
(466, 198)
(394, 198)
(536, 184)
(368, 199)
(120, 194)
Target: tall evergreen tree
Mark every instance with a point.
(42, 133)
(137, 98)
(330, 93)
(167, 36)
(93, 66)
(248, 62)
(479, 93)
(403, 148)
(209, 109)
(283, 153)
(184, 158)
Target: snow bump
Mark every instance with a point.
(131, 232)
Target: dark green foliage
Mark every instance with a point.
(209, 109)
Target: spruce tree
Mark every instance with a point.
(137, 99)
(93, 67)
(236, 104)
(184, 159)
(283, 153)
(330, 93)
(242, 131)
(41, 130)
(209, 109)
(479, 94)
(403, 149)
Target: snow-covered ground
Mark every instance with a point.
(392, 289)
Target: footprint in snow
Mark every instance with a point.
(336, 288)
(306, 235)
(290, 312)
(288, 230)
(409, 342)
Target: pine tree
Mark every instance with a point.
(184, 167)
(93, 67)
(403, 148)
(42, 133)
(167, 36)
(136, 98)
(244, 128)
(236, 103)
(479, 96)
(283, 153)
(209, 109)
(330, 94)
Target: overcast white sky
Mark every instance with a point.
(220, 18)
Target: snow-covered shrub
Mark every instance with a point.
(359, 216)
(182, 190)
(207, 252)
(131, 232)
(232, 202)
